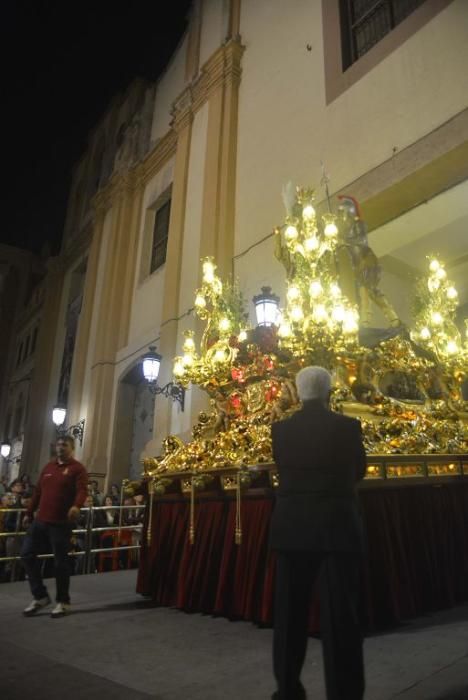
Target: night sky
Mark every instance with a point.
(63, 60)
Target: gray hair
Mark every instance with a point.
(313, 383)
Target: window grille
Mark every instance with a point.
(365, 22)
(160, 236)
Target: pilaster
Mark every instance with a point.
(39, 421)
(192, 58)
(223, 73)
(113, 315)
(167, 346)
(81, 352)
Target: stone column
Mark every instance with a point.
(131, 268)
(81, 351)
(234, 19)
(167, 345)
(113, 317)
(228, 155)
(223, 78)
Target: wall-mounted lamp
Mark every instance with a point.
(59, 413)
(77, 431)
(151, 366)
(5, 449)
(266, 307)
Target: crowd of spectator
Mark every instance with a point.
(102, 508)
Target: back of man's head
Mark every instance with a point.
(313, 383)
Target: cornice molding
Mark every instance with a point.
(161, 153)
(77, 249)
(182, 110)
(101, 202)
(221, 69)
(121, 183)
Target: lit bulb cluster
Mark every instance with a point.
(222, 308)
(305, 233)
(316, 310)
(318, 307)
(435, 326)
(184, 364)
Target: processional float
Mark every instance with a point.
(403, 383)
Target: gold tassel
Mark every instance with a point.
(192, 512)
(238, 530)
(150, 516)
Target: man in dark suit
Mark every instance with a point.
(316, 531)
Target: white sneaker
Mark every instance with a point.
(60, 610)
(36, 605)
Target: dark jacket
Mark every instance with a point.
(320, 458)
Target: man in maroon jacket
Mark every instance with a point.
(60, 493)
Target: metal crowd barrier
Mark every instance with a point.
(88, 552)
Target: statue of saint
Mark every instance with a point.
(363, 288)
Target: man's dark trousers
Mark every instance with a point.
(338, 575)
(42, 537)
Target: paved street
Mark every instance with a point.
(117, 645)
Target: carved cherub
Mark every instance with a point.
(287, 399)
(221, 405)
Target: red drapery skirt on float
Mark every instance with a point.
(416, 560)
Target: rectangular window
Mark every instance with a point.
(365, 22)
(160, 236)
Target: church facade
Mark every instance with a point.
(367, 98)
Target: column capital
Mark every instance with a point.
(223, 67)
(163, 150)
(101, 202)
(182, 110)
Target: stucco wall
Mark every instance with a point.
(215, 14)
(169, 86)
(148, 290)
(286, 128)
